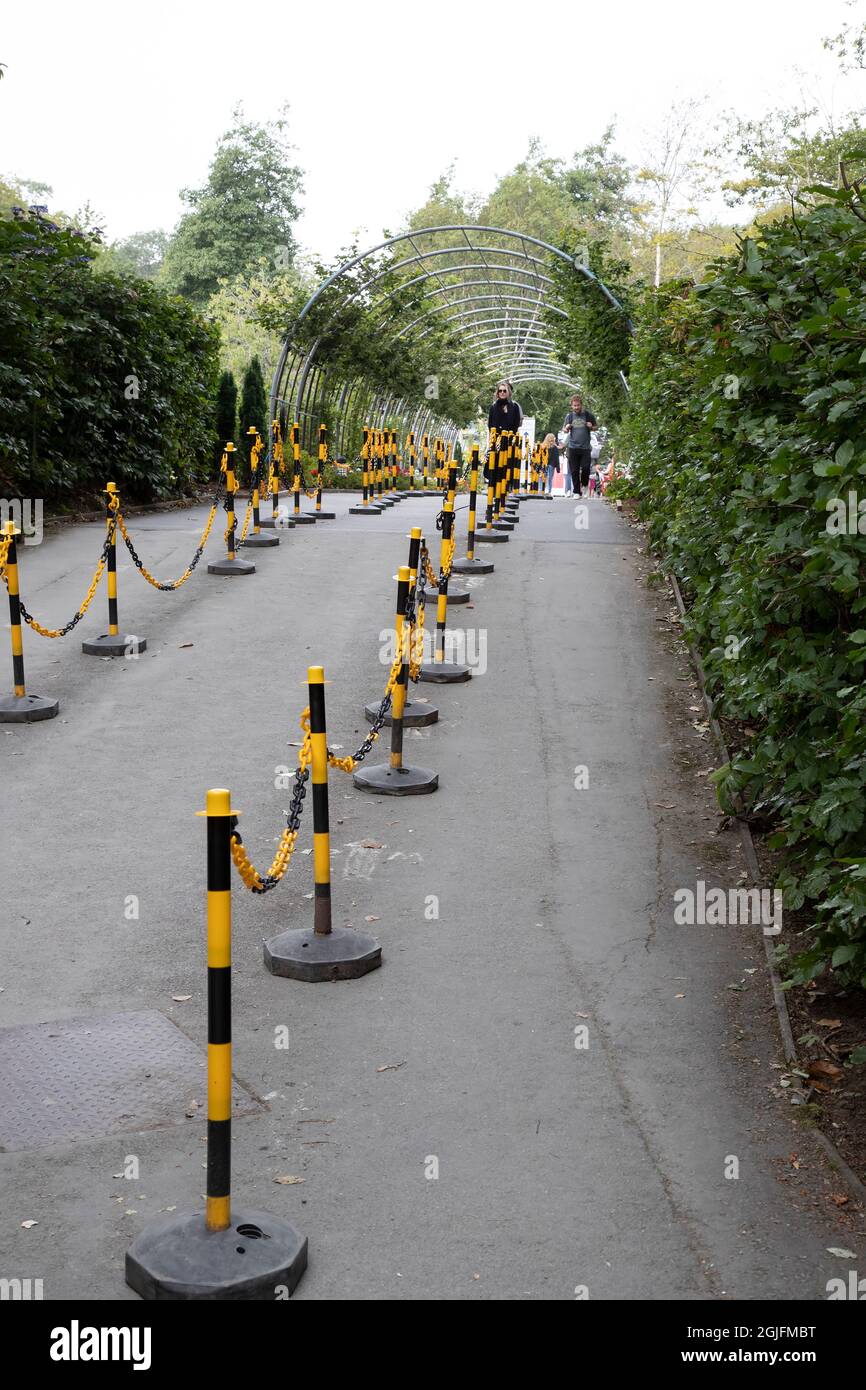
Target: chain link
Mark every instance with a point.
(94, 584)
(145, 573)
(263, 883)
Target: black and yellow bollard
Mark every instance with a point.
(410, 449)
(455, 593)
(256, 541)
(219, 1253)
(394, 778)
(416, 713)
(472, 565)
(368, 507)
(503, 448)
(320, 476)
(425, 463)
(298, 517)
(440, 671)
(113, 642)
(382, 499)
(19, 707)
(323, 952)
(513, 466)
(487, 535)
(270, 523)
(391, 465)
(232, 564)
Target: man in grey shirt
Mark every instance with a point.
(578, 424)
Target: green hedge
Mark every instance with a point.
(747, 420)
(101, 376)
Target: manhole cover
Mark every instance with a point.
(83, 1078)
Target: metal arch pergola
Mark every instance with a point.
(489, 285)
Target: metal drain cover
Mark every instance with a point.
(85, 1078)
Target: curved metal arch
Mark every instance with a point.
(522, 237)
(516, 344)
(474, 299)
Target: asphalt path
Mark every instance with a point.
(513, 906)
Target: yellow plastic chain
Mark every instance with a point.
(4, 553)
(175, 583)
(249, 874)
(246, 525)
(113, 504)
(349, 764)
(416, 642)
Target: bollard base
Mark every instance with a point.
(303, 518)
(455, 595)
(267, 524)
(325, 516)
(232, 567)
(467, 566)
(384, 502)
(491, 537)
(283, 522)
(27, 709)
(396, 781)
(444, 672)
(179, 1259)
(117, 644)
(503, 525)
(361, 510)
(342, 954)
(255, 542)
(415, 715)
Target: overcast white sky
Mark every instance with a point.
(122, 104)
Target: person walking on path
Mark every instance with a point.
(578, 425)
(504, 414)
(551, 460)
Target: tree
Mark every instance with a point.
(254, 406)
(444, 206)
(141, 254)
(235, 308)
(96, 372)
(226, 410)
(786, 154)
(242, 217)
(673, 172)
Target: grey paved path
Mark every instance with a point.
(558, 1166)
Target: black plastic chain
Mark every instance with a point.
(167, 588)
(293, 821)
(73, 622)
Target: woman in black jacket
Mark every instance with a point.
(504, 414)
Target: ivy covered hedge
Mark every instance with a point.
(101, 376)
(747, 433)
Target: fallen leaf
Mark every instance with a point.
(185, 644)
(828, 1070)
(181, 998)
(840, 1253)
(287, 1180)
(371, 919)
(841, 1199)
(679, 996)
(27, 1224)
(829, 1023)
(371, 844)
(391, 1066)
